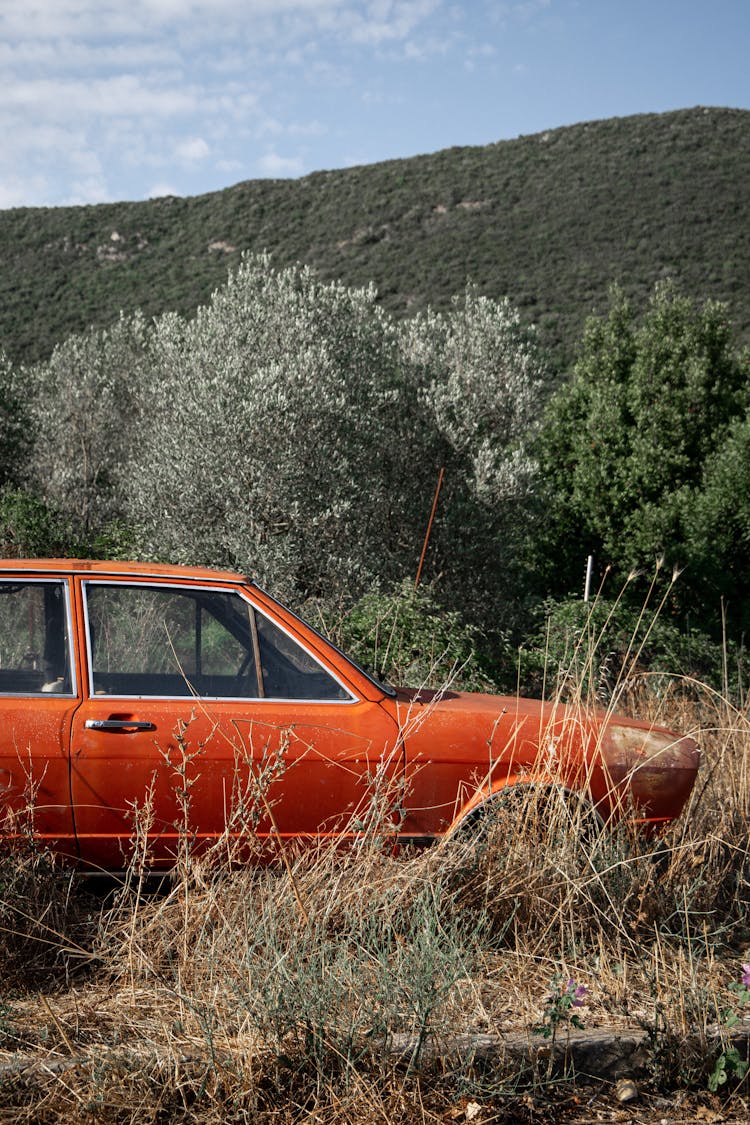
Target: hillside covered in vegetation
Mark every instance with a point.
(297, 429)
(164, 396)
(549, 220)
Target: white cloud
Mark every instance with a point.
(425, 47)
(529, 9)
(483, 50)
(71, 56)
(382, 21)
(521, 10)
(101, 21)
(280, 166)
(93, 93)
(305, 129)
(158, 190)
(122, 95)
(24, 191)
(352, 160)
(192, 150)
(93, 189)
(478, 54)
(381, 97)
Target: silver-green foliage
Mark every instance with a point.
(280, 436)
(293, 429)
(481, 384)
(84, 409)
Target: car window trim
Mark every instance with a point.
(148, 583)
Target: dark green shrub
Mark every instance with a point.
(405, 637)
(598, 649)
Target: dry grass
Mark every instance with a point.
(339, 986)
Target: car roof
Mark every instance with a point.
(119, 568)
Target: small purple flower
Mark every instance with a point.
(577, 994)
(746, 976)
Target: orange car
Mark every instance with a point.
(192, 701)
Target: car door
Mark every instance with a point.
(206, 719)
(39, 694)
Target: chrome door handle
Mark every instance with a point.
(124, 726)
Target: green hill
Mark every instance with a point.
(549, 220)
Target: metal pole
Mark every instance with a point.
(429, 528)
(587, 584)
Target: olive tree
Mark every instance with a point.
(482, 387)
(84, 417)
(293, 430)
(280, 437)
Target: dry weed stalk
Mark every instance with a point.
(241, 989)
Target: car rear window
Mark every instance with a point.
(34, 638)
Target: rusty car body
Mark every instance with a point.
(191, 702)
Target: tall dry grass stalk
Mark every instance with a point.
(323, 987)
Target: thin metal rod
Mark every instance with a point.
(429, 528)
(587, 583)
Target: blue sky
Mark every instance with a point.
(103, 100)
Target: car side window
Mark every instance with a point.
(288, 671)
(168, 641)
(34, 639)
